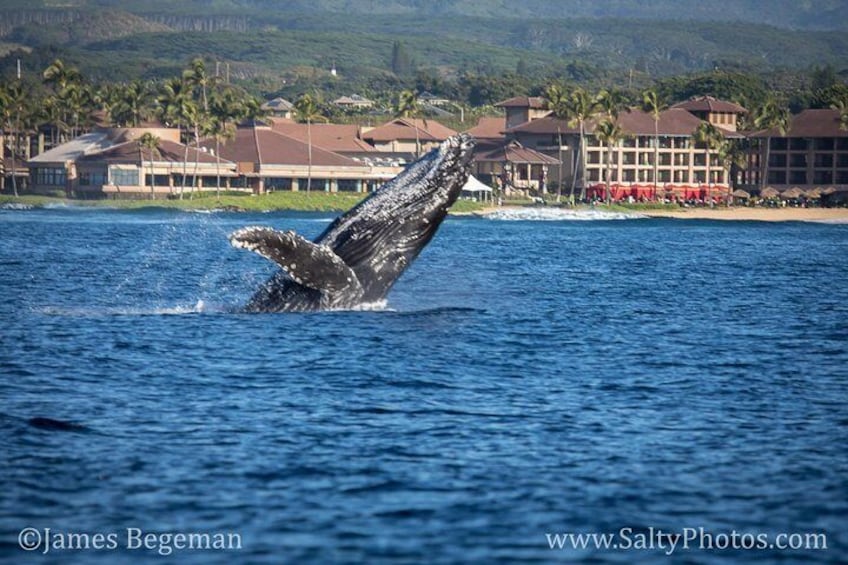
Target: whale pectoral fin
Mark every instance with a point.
(307, 263)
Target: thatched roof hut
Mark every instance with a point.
(769, 192)
(794, 192)
(741, 194)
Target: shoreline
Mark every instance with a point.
(341, 203)
(741, 213)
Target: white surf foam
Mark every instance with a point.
(557, 215)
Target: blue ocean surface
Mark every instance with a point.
(525, 380)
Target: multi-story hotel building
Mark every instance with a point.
(682, 166)
(813, 152)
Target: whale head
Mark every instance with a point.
(381, 236)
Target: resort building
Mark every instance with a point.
(130, 169)
(720, 113)
(267, 160)
(279, 108)
(684, 169)
(407, 136)
(523, 109)
(111, 161)
(813, 153)
(353, 102)
(115, 163)
(512, 167)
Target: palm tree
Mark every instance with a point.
(225, 108)
(151, 143)
(407, 107)
(557, 102)
(197, 77)
(609, 133)
(15, 110)
(307, 110)
(653, 105)
(133, 105)
(770, 116)
(612, 102)
(177, 107)
(710, 137)
(732, 157)
(841, 106)
(581, 107)
(63, 80)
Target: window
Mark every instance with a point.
(824, 143)
(50, 176)
(159, 180)
(824, 160)
(779, 144)
(318, 185)
(798, 144)
(823, 177)
(797, 177)
(123, 177)
(777, 177)
(777, 160)
(278, 183)
(798, 160)
(348, 185)
(92, 178)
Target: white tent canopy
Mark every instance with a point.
(474, 186)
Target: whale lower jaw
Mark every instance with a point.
(363, 252)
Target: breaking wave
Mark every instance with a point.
(557, 215)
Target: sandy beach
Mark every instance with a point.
(836, 215)
(741, 213)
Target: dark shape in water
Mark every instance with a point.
(363, 252)
(55, 425)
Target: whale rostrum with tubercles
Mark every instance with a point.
(364, 251)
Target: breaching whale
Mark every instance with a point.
(363, 252)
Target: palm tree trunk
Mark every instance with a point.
(559, 148)
(217, 167)
(309, 163)
(656, 156)
(609, 174)
(185, 167)
(709, 185)
(194, 183)
(14, 159)
(582, 161)
(765, 164)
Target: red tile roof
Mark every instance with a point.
(512, 152)
(536, 102)
(488, 128)
(674, 122)
(404, 128)
(258, 144)
(338, 138)
(810, 123)
(168, 151)
(710, 104)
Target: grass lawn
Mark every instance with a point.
(314, 202)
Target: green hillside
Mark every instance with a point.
(287, 47)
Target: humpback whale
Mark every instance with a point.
(363, 252)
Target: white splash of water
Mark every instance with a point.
(376, 306)
(557, 215)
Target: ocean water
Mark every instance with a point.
(525, 379)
